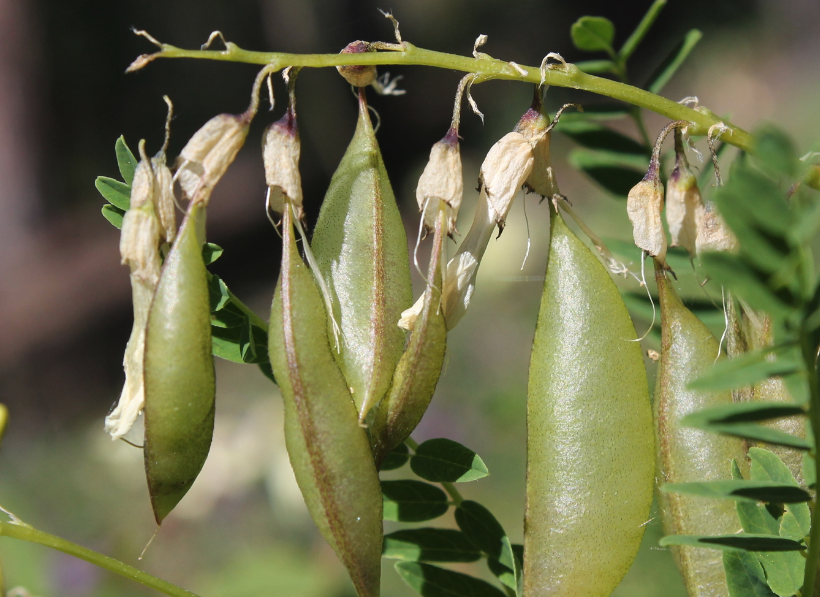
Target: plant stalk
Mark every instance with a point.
(25, 532)
(485, 67)
(809, 357)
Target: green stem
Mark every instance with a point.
(450, 488)
(809, 356)
(25, 532)
(641, 30)
(486, 68)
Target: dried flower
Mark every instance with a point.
(644, 205)
(684, 206)
(504, 171)
(281, 150)
(713, 234)
(442, 180)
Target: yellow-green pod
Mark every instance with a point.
(328, 448)
(590, 450)
(417, 373)
(4, 419)
(688, 349)
(361, 247)
(179, 370)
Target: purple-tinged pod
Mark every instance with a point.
(688, 350)
(590, 449)
(179, 370)
(418, 371)
(361, 248)
(328, 449)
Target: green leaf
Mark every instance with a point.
(748, 283)
(641, 30)
(125, 160)
(809, 470)
(596, 136)
(774, 151)
(115, 192)
(443, 460)
(211, 252)
(767, 466)
(432, 581)
(673, 61)
(505, 575)
(738, 542)
(784, 571)
(113, 215)
(756, 519)
(593, 34)
(790, 527)
(397, 458)
(413, 501)
(741, 412)
(765, 491)
(617, 173)
(744, 575)
(484, 530)
(232, 344)
(747, 370)
(430, 545)
(596, 67)
(219, 294)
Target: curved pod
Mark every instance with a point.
(179, 370)
(688, 349)
(328, 450)
(590, 450)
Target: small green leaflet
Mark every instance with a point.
(747, 370)
(113, 215)
(744, 575)
(593, 34)
(739, 542)
(125, 160)
(809, 470)
(443, 460)
(413, 501)
(430, 545)
(741, 412)
(765, 491)
(432, 581)
(115, 192)
(211, 252)
(397, 458)
(673, 61)
(596, 67)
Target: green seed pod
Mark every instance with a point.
(179, 370)
(688, 349)
(417, 373)
(590, 450)
(361, 248)
(328, 449)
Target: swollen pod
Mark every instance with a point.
(328, 449)
(688, 349)
(179, 370)
(590, 450)
(361, 248)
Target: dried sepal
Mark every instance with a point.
(644, 205)
(358, 75)
(713, 234)
(442, 180)
(535, 126)
(684, 206)
(504, 171)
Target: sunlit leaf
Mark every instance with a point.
(744, 575)
(738, 542)
(115, 192)
(125, 160)
(593, 34)
(443, 460)
(734, 489)
(113, 215)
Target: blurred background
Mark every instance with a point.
(65, 312)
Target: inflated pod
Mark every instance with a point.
(361, 248)
(179, 370)
(688, 349)
(328, 449)
(417, 373)
(590, 450)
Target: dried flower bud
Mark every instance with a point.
(684, 206)
(358, 75)
(442, 179)
(281, 149)
(534, 125)
(504, 171)
(208, 154)
(164, 197)
(713, 234)
(644, 205)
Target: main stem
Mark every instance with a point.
(485, 67)
(28, 533)
(809, 357)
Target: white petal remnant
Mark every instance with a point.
(504, 171)
(713, 234)
(409, 316)
(684, 207)
(644, 206)
(166, 205)
(208, 154)
(281, 149)
(442, 179)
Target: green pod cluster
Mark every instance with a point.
(688, 349)
(590, 449)
(361, 248)
(179, 370)
(328, 449)
(417, 373)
